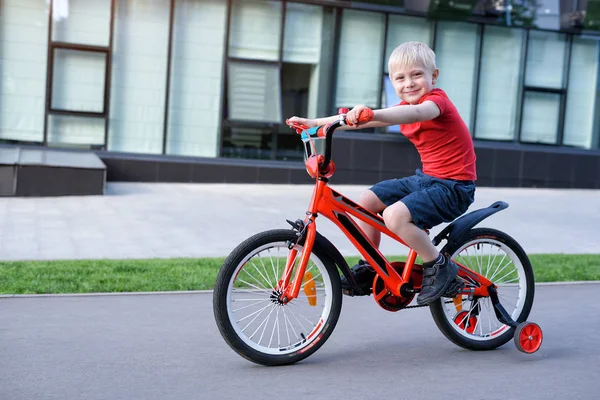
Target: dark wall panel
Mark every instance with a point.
(51, 181)
(365, 161)
(7, 180)
(174, 172)
(534, 169)
(507, 168)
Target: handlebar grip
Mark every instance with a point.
(366, 115)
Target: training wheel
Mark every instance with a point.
(528, 337)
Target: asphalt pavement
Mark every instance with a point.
(162, 347)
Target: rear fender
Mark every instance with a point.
(454, 232)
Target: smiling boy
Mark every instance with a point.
(441, 191)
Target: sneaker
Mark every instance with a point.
(363, 275)
(437, 279)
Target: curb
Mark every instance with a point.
(184, 292)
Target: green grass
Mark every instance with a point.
(97, 276)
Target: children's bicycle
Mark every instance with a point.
(278, 295)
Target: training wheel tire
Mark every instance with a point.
(528, 337)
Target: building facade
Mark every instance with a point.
(199, 90)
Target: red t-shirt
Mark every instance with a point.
(444, 143)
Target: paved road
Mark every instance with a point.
(136, 220)
(168, 347)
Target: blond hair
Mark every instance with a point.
(411, 54)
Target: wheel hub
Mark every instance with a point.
(278, 298)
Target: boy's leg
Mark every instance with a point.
(369, 201)
(398, 219)
(376, 199)
(438, 271)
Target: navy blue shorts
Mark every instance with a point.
(430, 200)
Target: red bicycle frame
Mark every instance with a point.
(339, 209)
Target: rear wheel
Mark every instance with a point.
(472, 324)
(249, 310)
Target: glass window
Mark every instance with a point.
(194, 121)
(254, 92)
(547, 15)
(138, 79)
(540, 117)
(78, 80)
(303, 31)
(582, 93)
(403, 29)
(75, 130)
(546, 52)
(255, 29)
(360, 59)
(456, 57)
(81, 22)
(243, 142)
(289, 146)
(306, 41)
(499, 83)
(23, 51)
(390, 99)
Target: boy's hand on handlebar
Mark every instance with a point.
(302, 121)
(359, 115)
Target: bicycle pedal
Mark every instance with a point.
(455, 288)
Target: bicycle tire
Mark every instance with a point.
(306, 343)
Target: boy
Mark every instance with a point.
(445, 187)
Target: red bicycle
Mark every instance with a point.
(278, 295)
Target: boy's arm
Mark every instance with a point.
(407, 114)
(334, 118)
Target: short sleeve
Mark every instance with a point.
(438, 98)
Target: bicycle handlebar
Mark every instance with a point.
(365, 116)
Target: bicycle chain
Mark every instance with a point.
(427, 305)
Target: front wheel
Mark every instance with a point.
(472, 324)
(247, 307)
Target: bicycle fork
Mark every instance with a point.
(307, 232)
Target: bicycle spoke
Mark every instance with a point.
(275, 325)
(255, 279)
(267, 280)
(259, 292)
(275, 272)
(297, 320)
(251, 305)
(287, 321)
(249, 315)
(505, 275)
(498, 270)
(255, 287)
(265, 322)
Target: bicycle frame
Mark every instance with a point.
(339, 209)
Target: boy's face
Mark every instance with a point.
(412, 82)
